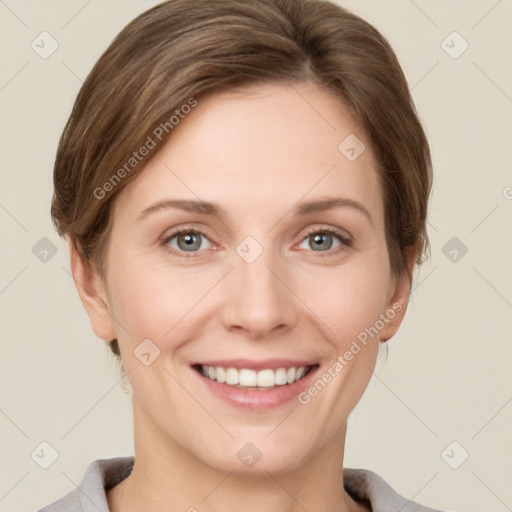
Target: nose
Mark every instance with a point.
(259, 301)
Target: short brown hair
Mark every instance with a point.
(181, 49)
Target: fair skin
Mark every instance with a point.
(257, 154)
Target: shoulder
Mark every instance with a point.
(368, 487)
(362, 484)
(90, 496)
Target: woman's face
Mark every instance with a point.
(265, 276)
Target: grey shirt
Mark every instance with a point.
(362, 484)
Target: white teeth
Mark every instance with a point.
(266, 378)
(244, 377)
(281, 377)
(221, 374)
(247, 377)
(231, 377)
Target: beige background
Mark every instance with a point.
(448, 373)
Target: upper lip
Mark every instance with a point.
(264, 364)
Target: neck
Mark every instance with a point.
(166, 477)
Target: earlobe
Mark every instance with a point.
(399, 298)
(92, 294)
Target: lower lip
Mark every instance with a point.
(257, 400)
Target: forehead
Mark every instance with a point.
(261, 149)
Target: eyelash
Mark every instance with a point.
(346, 242)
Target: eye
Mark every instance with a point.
(186, 240)
(190, 241)
(322, 240)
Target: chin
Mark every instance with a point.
(255, 456)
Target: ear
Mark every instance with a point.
(398, 299)
(92, 293)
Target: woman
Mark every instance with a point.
(212, 151)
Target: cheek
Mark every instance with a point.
(148, 301)
(348, 299)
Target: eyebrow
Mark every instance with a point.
(214, 210)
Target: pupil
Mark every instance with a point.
(320, 238)
(190, 241)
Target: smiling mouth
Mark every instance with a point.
(247, 379)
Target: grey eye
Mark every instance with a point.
(321, 241)
(187, 241)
